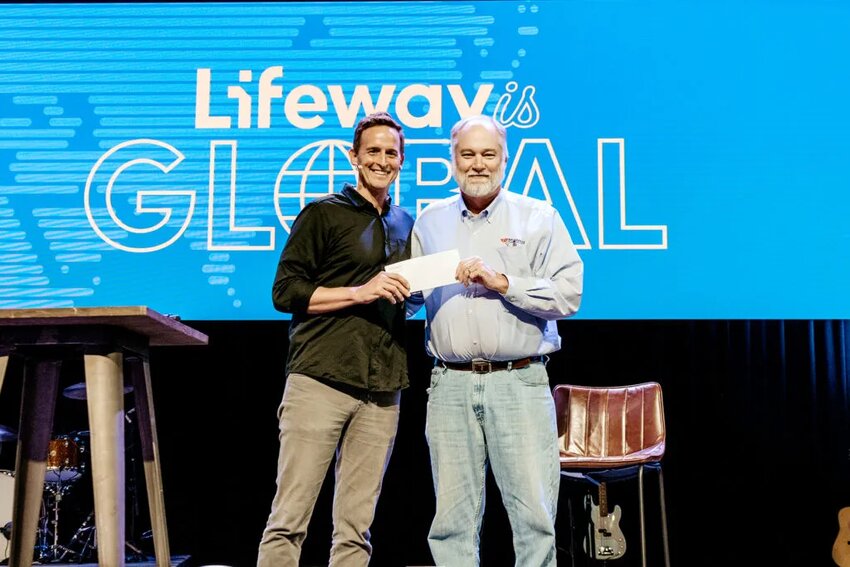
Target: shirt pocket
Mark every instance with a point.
(516, 260)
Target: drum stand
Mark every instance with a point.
(49, 525)
(86, 538)
(83, 544)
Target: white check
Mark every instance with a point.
(427, 272)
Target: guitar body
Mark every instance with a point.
(841, 547)
(608, 539)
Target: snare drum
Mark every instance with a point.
(64, 459)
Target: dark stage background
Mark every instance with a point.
(757, 463)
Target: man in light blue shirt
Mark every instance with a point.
(489, 398)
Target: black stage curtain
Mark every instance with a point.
(757, 463)
(758, 415)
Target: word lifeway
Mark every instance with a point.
(305, 106)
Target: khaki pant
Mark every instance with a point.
(316, 421)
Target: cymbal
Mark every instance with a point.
(7, 434)
(78, 391)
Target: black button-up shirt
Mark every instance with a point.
(341, 241)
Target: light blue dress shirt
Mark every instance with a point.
(521, 237)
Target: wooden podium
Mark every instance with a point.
(114, 343)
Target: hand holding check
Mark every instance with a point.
(446, 268)
(474, 270)
(391, 286)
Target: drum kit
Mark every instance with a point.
(67, 458)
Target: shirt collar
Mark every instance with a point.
(360, 202)
(486, 214)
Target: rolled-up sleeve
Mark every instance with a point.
(295, 281)
(554, 290)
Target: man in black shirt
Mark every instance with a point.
(347, 362)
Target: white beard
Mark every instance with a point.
(483, 188)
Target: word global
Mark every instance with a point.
(304, 105)
(170, 211)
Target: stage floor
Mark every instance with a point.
(176, 561)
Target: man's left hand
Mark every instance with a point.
(473, 270)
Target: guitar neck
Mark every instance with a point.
(603, 500)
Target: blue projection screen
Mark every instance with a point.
(156, 154)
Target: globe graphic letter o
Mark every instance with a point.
(316, 170)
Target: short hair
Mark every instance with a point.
(376, 119)
(479, 119)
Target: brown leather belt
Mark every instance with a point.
(485, 366)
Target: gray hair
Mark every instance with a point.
(479, 119)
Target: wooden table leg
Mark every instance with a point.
(38, 403)
(4, 362)
(140, 372)
(105, 395)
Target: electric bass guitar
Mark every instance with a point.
(608, 540)
(841, 547)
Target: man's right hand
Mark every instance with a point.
(391, 286)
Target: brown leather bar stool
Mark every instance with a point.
(609, 434)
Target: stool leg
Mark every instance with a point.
(642, 516)
(41, 386)
(105, 393)
(140, 371)
(663, 517)
(4, 362)
(572, 531)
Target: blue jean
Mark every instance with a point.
(316, 422)
(507, 419)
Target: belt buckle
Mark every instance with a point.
(482, 366)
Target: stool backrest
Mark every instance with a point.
(610, 427)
